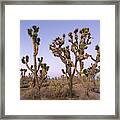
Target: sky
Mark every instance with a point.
(49, 30)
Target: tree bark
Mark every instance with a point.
(71, 80)
(35, 65)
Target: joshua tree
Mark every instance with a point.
(43, 73)
(97, 59)
(93, 69)
(77, 47)
(33, 33)
(23, 72)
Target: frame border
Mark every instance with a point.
(62, 2)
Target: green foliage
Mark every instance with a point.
(97, 47)
(30, 32)
(63, 71)
(27, 58)
(31, 67)
(23, 60)
(40, 60)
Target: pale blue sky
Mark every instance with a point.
(49, 30)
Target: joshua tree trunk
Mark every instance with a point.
(68, 70)
(35, 65)
(80, 61)
(24, 74)
(70, 87)
(71, 80)
(35, 70)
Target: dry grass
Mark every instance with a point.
(59, 90)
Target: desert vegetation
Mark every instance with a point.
(77, 81)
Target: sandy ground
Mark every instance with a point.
(59, 90)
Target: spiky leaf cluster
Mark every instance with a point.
(43, 71)
(23, 70)
(78, 46)
(92, 70)
(97, 59)
(25, 59)
(63, 53)
(40, 60)
(97, 48)
(42, 68)
(85, 36)
(58, 50)
(33, 33)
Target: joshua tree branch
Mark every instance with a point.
(74, 67)
(77, 71)
(38, 67)
(92, 58)
(29, 67)
(67, 76)
(63, 59)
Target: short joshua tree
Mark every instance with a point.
(23, 72)
(79, 43)
(36, 67)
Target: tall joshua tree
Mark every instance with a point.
(33, 33)
(64, 54)
(77, 47)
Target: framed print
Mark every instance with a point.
(60, 59)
